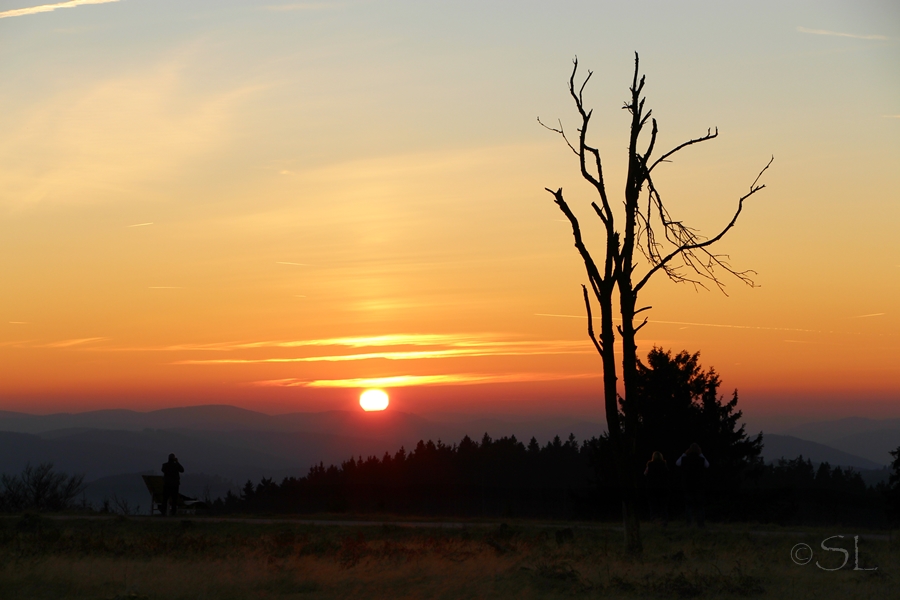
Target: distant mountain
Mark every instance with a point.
(101, 453)
(875, 445)
(389, 424)
(826, 432)
(869, 438)
(789, 447)
(210, 417)
(4, 414)
(392, 426)
(235, 455)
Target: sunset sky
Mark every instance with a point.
(279, 204)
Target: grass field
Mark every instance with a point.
(197, 558)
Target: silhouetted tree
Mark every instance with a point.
(679, 403)
(496, 477)
(893, 488)
(797, 492)
(666, 244)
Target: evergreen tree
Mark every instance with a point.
(679, 404)
(893, 490)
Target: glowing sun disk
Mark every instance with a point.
(373, 400)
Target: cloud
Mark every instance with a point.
(140, 224)
(891, 117)
(33, 10)
(697, 324)
(75, 342)
(375, 341)
(865, 316)
(281, 262)
(839, 34)
(419, 346)
(496, 349)
(117, 137)
(420, 380)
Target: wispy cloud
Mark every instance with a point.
(869, 315)
(420, 380)
(891, 117)
(696, 324)
(33, 10)
(19, 323)
(387, 347)
(164, 287)
(373, 341)
(78, 132)
(480, 350)
(841, 34)
(280, 262)
(75, 342)
(140, 224)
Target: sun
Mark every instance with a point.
(371, 400)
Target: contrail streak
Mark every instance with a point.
(841, 34)
(33, 10)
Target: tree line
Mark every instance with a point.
(505, 478)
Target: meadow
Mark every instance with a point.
(188, 557)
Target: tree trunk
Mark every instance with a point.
(632, 525)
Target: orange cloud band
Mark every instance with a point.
(420, 380)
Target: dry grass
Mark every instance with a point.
(139, 558)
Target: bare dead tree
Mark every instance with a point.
(667, 246)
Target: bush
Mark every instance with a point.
(39, 488)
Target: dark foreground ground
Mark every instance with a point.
(195, 558)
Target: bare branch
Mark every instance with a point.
(583, 84)
(590, 319)
(560, 131)
(593, 273)
(584, 148)
(702, 138)
(641, 326)
(690, 242)
(599, 212)
(653, 133)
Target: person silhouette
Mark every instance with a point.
(693, 470)
(657, 474)
(171, 481)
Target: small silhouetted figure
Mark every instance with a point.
(657, 477)
(693, 471)
(171, 481)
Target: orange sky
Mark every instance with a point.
(277, 205)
